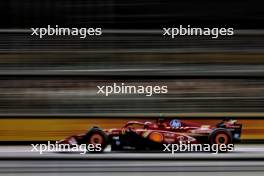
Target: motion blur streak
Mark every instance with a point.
(78, 95)
(114, 42)
(132, 64)
(33, 129)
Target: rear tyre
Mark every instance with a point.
(220, 136)
(97, 138)
(220, 140)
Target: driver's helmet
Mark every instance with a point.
(175, 123)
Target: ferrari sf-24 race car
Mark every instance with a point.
(148, 135)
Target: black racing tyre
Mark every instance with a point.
(220, 136)
(97, 137)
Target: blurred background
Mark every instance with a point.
(48, 86)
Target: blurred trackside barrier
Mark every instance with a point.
(47, 128)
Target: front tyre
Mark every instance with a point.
(97, 138)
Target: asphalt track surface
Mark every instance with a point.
(245, 160)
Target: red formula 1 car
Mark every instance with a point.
(148, 135)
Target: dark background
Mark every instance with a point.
(131, 14)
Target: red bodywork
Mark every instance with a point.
(162, 131)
